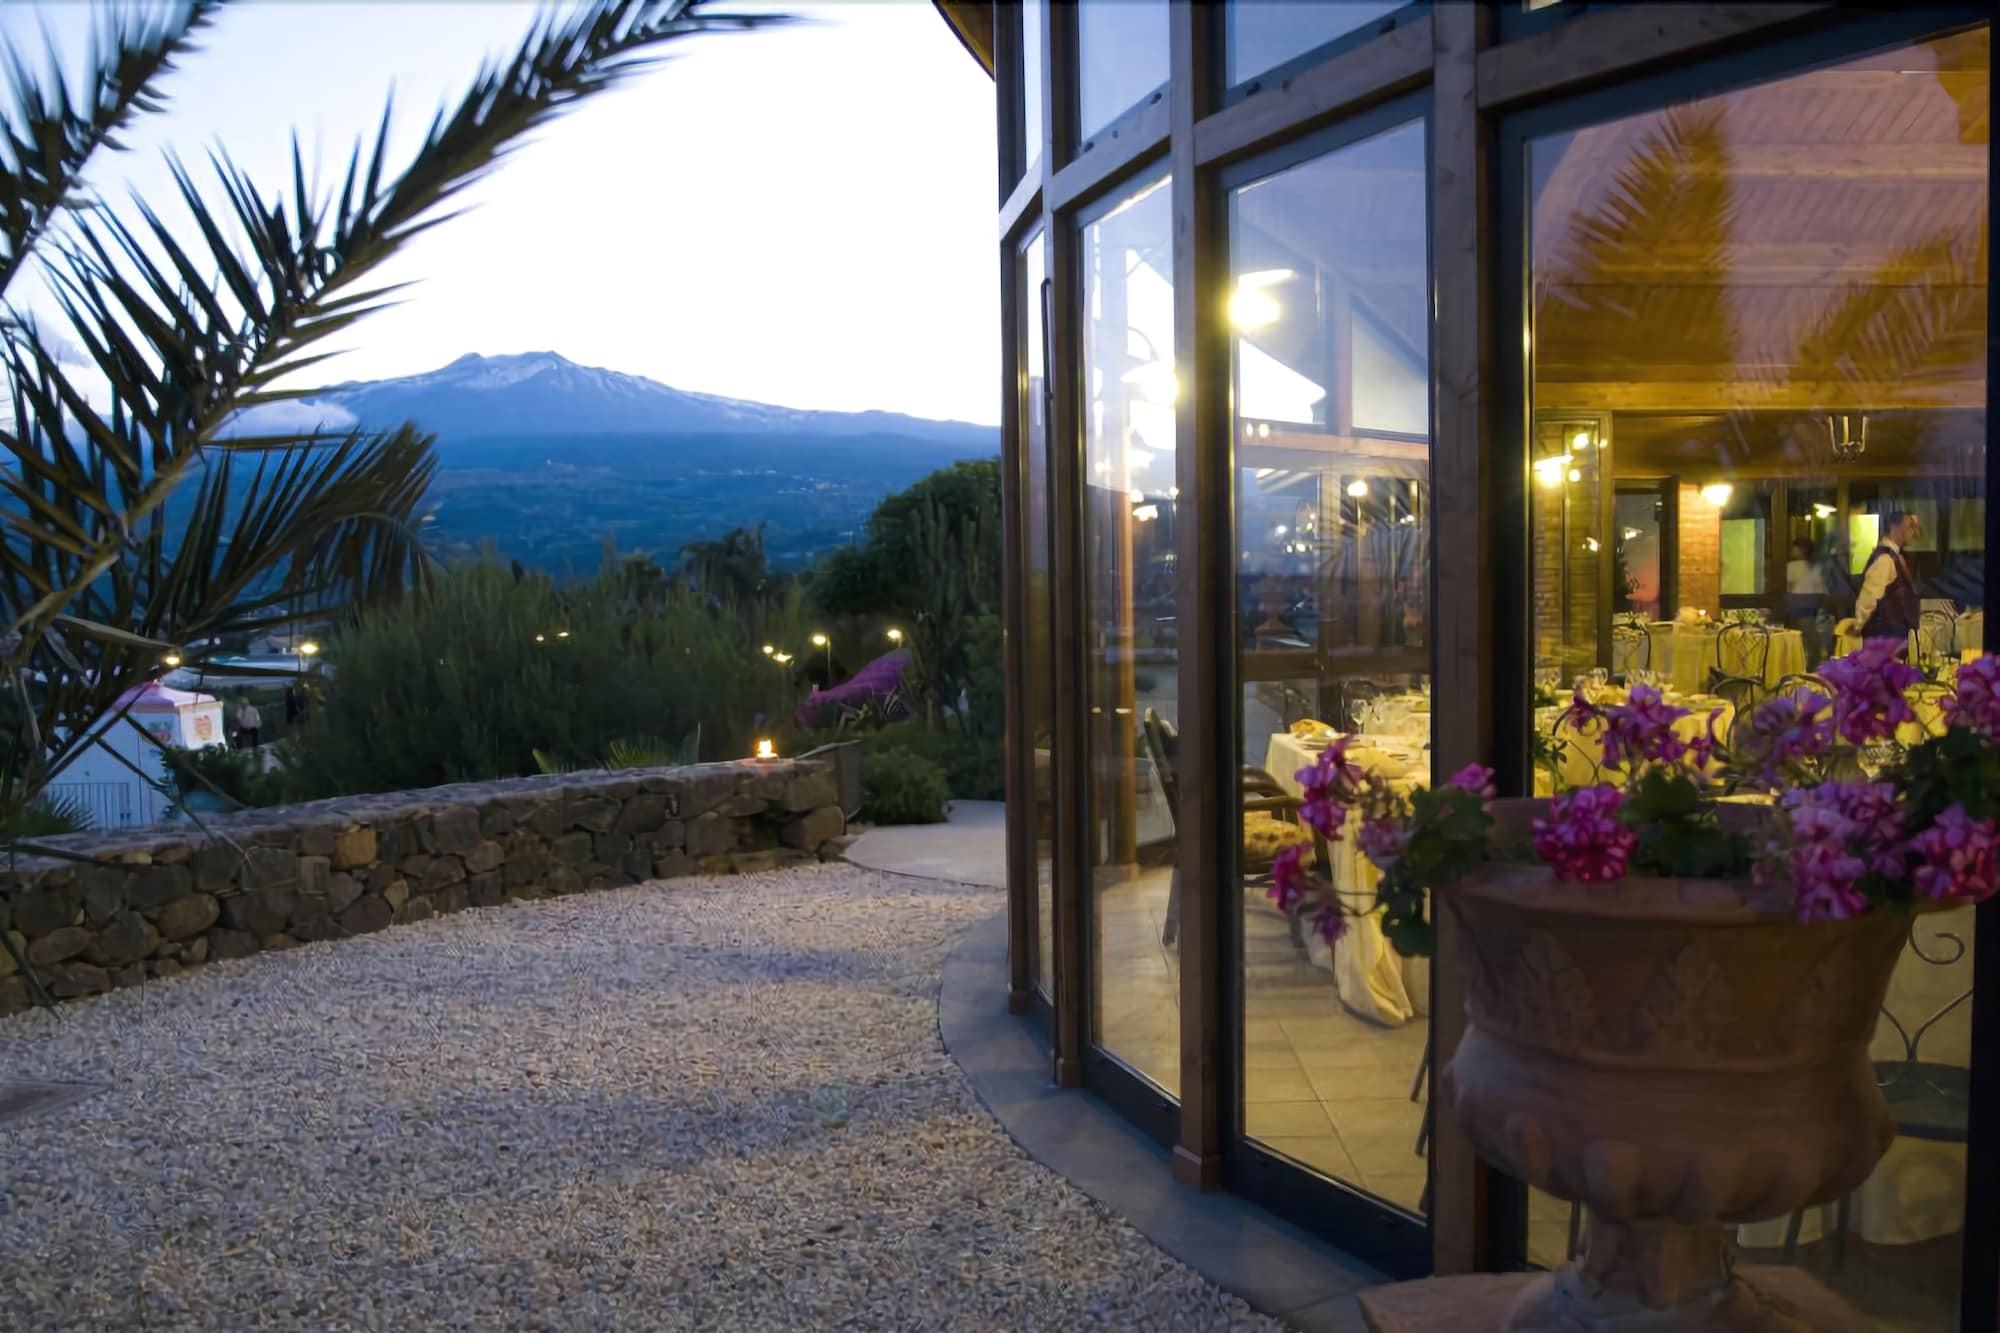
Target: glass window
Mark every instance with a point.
(1758, 356)
(1128, 535)
(1329, 302)
(1031, 81)
(1122, 57)
(1264, 34)
(1038, 690)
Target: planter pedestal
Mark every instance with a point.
(1782, 1298)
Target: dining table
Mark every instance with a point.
(1370, 977)
(1580, 762)
(1685, 653)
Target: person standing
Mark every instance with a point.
(249, 724)
(1805, 597)
(1888, 606)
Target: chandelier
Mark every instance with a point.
(1847, 435)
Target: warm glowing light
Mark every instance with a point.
(769, 650)
(1576, 474)
(895, 636)
(1550, 470)
(1590, 544)
(308, 649)
(541, 638)
(1717, 493)
(172, 659)
(1823, 511)
(1145, 513)
(1579, 442)
(819, 640)
(1630, 533)
(1252, 308)
(767, 750)
(781, 658)
(1357, 488)
(562, 634)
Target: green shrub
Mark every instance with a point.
(974, 767)
(899, 787)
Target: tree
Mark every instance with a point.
(732, 570)
(138, 512)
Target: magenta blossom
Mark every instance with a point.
(1840, 831)
(1288, 878)
(1331, 783)
(1869, 682)
(1477, 779)
(1787, 728)
(1583, 839)
(1975, 703)
(1955, 857)
(1329, 921)
(1383, 839)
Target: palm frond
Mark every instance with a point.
(50, 128)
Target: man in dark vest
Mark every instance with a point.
(1888, 606)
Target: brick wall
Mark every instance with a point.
(1700, 554)
(169, 897)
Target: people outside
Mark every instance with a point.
(249, 725)
(1889, 605)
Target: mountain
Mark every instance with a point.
(544, 458)
(542, 393)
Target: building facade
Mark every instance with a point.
(1386, 368)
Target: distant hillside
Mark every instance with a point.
(544, 458)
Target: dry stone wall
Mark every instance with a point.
(158, 900)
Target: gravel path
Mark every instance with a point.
(720, 1104)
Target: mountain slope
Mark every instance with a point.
(542, 393)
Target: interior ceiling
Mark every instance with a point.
(1813, 243)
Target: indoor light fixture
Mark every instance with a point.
(1629, 533)
(1550, 470)
(1823, 511)
(1358, 488)
(1579, 442)
(1590, 544)
(1717, 493)
(1576, 474)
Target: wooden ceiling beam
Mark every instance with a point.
(1711, 395)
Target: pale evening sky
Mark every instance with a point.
(800, 216)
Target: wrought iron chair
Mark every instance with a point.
(1937, 634)
(1742, 652)
(1929, 1100)
(1261, 794)
(1631, 648)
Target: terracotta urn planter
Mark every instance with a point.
(1679, 1056)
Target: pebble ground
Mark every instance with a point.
(714, 1104)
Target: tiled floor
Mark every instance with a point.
(1323, 1087)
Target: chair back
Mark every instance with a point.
(1742, 692)
(1631, 648)
(1163, 748)
(1743, 650)
(1937, 633)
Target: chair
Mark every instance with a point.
(1929, 1100)
(1631, 648)
(1742, 652)
(1265, 804)
(1937, 634)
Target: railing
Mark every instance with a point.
(109, 803)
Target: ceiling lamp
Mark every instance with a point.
(1847, 435)
(1358, 489)
(1717, 493)
(1550, 470)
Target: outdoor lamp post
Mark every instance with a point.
(823, 641)
(896, 636)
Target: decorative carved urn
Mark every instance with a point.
(1679, 1056)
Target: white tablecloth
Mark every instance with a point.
(1371, 978)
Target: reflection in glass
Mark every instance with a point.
(1264, 34)
(1128, 541)
(1783, 366)
(1329, 301)
(1121, 57)
(1038, 690)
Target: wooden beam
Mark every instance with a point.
(1466, 441)
(1110, 157)
(1360, 77)
(1204, 546)
(1607, 44)
(1647, 395)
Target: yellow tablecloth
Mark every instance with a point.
(1583, 754)
(1696, 650)
(1371, 978)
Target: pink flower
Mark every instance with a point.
(1869, 682)
(1583, 839)
(1331, 783)
(1642, 731)
(1383, 839)
(1581, 711)
(1289, 880)
(1787, 728)
(1329, 922)
(1975, 704)
(1477, 779)
(1955, 857)
(1840, 831)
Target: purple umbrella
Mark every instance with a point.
(880, 679)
